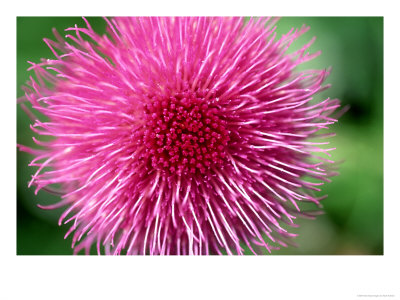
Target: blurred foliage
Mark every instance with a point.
(353, 219)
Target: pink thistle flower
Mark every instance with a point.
(179, 135)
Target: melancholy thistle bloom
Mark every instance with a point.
(179, 135)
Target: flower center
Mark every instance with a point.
(184, 133)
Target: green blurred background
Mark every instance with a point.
(353, 219)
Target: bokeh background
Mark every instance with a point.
(353, 219)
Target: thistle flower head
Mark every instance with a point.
(179, 135)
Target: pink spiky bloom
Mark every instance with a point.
(180, 135)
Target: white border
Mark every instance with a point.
(277, 277)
